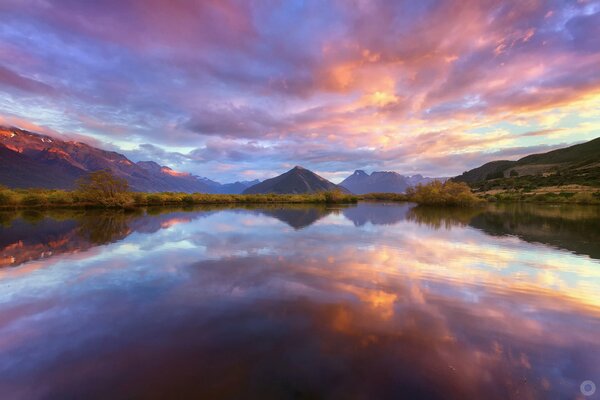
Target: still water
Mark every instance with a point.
(361, 302)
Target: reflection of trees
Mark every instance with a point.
(105, 226)
(446, 217)
(574, 228)
(32, 216)
(571, 227)
(30, 235)
(6, 218)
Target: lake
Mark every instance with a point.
(361, 302)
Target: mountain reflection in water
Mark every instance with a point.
(367, 301)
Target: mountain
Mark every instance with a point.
(296, 180)
(574, 164)
(29, 160)
(236, 187)
(381, 182)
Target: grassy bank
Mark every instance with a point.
(576, 187)
(550, 197)
(40, 198)
(446, 194)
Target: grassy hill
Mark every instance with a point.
(574, 165)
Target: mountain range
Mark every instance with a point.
(361, 182)
(33, 160)
(578, 164)
(29, 160)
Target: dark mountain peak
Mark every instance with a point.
(296, 180)
(360, 173)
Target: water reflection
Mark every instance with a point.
(377, 213)
(264, 303)
(570, 227)
(30, 235)
(296, 216)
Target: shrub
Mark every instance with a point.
(7, 198)
(33, 200)
(438, 193)
(139, 198)
(105, 189)
(337, 196)
(154, 199)
(60, 198)
(585, 198)
(189, 199)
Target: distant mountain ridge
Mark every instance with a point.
(295, 181)
(577, 163)
(33, 160)
(361, 182)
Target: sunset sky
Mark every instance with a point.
(247, 89)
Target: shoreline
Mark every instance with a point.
(18, 199)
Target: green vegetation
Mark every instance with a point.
(568, 197)
(42, 198)
(432, 193)
(384, 197)
(443, 194)
(103, 190)
(584, 177)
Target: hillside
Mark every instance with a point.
(32, 160)
(296, 180)
(578, 164)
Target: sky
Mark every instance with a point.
(237, 90)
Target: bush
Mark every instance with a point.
(139, 198)
(33, 200)
(337, 196)
(445, 194)
(154, 199)
(7, 198)
(105, 189)
(585, 198)
(60, 198)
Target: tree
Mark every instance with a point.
(513, 172)
(104, 188)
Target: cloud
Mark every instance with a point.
(243, 85)
(13, 80)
